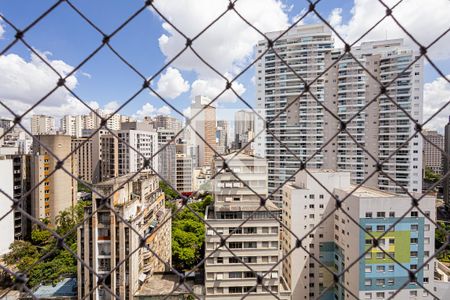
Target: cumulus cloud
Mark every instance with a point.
(213, 87)
(24, 82)
(425, 21)
(149, 110)
(228, 45)
(436, 95)
(171, 84)
(164, 110)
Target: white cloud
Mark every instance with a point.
(228, 45)
(111, 106)
(164, 110)
(213, 87)
(171, 84)
(24, 82)
(436, 95)
(149, 110)
(424, 20)
(335, 17)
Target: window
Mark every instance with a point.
(368, 227)
(235, 245)
(413, 267)
(381, 228)
(368, 296)
(390, 281)
(380, 255)
(380, 295)
(391, 268)
(381, 268)
(250, 245)
(413, 293)
(380, 282)
(368, 242)
(391, 241)
(311, 196)
(413, 253)
(219, 276)
(368, 269)
(235, 289)
(368, 282)
(368, 215)
(414, 214)
(220, 260)
(381, 214)
(414, 227)
(235, 275)
(368, 255)
(392, 214)
(414, 240)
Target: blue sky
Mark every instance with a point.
(105, 78)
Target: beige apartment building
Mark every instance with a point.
(432, 154)
(256, 242)
(105, 240)
(204, 125)
(58, 191)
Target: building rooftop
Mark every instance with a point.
(163, 284)
(367, 192)
(65, 288)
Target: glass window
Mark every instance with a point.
(368, 269)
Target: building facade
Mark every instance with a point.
(58, 191)
(338, 240)
(204, 124)
(306, 127)
(432, 151)
(256, 242)
(72, 125)
(222, 136)
(42, 124)
(105, 240)
(244, 127)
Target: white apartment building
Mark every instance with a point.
(382, 127)
(338, 241)
(304, 49)
(306, 126)
(42, 124)
(72, 125)
(7, 222)
(167, 167)
(144, 144)
(256, 242)
(105, 240)
(222, 136)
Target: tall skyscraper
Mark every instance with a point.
(104, 240)
(167, 155)
(222, 136)
(446, 164)
(58, 191)
(83, 150)
(42, 124)
(205, 126)
(300, 127)
(184, 169)
(338, 241)
(305, 127)
(381, 128)
(244, 127)
(256, 243)
(432, 156)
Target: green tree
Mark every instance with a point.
(53, 262)
(168, 191)
(188, 234)
(431, 176)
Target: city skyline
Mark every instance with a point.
(258, 149)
